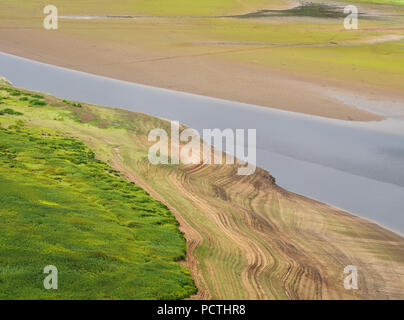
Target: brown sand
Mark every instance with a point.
(209, 74)
(278, 254)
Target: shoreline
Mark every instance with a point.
(211, 76)
(275, 111)
(318, 223)
(365, 125)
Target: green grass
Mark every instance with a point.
(61, 206)
(381, 2)
(10, 111)
(143, 7)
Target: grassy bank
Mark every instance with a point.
(145, 7)
(61, 206)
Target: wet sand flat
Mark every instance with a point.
(283, 64)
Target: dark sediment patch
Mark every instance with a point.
(313, 10)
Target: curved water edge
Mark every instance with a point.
(355, 166)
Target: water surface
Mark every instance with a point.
(355, 166)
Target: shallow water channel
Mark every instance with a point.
(355, 166)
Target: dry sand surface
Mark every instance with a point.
(209, 74)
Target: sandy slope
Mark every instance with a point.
(247, 238)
